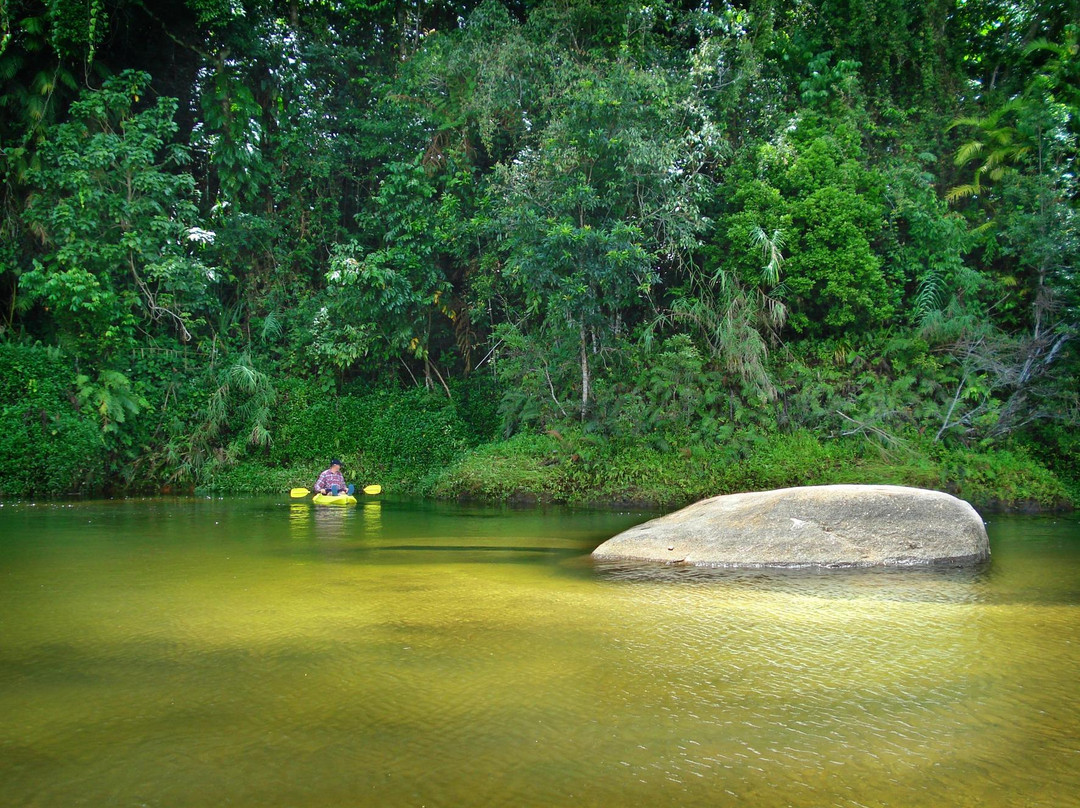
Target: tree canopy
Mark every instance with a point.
(668, 222)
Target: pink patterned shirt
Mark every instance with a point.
(329, 478)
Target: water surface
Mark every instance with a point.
(261, 652)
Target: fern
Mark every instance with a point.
(930, 293)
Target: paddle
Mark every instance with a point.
(296, 493)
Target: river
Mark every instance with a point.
(267, 652)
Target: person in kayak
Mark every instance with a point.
(331, 482)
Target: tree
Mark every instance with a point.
(383, 301)
(117, 224)
(603, 205)
(1021, 202)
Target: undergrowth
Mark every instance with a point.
(570, 467)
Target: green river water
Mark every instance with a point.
(262, 652)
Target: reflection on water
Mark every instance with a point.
(307, 520)
(300, 520)
(372, 517)
(331, 521)
(257, 652)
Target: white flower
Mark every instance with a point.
(200, 236)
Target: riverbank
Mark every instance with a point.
(573, 468)
(414, 442)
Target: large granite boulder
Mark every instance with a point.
(815, 526)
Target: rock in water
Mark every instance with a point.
(815, 526)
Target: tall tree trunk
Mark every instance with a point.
(584, 372)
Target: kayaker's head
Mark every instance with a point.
(335, 464)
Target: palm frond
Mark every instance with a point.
(959, 192)
(968, 152)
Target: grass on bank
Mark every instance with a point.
(558, 467)
(571, 467)
(575, 468)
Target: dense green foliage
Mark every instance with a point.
(557, 467)
(574, 250)
(48, 445)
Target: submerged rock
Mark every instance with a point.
(826, 526)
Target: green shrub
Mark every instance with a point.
(521, 465)
(413, 432)
(397, 436)
(572, 466)
(1057, 446)
(310, 426)
(47, 446)
(1001, 478)
(798, 458)
(254, 477)
(477, 402)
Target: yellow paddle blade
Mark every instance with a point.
(373, 489)
(299, 492)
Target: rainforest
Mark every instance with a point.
(556, 251)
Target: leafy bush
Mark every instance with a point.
(47, 446)
(255, 477)
(392, 435)
(1001, 479)
(786, 460)
(574, 467)
(1057, 446)
(477, 401)
(503, 470)
(412, 432)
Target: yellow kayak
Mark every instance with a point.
(332, 499)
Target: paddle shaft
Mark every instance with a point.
(371, 490)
